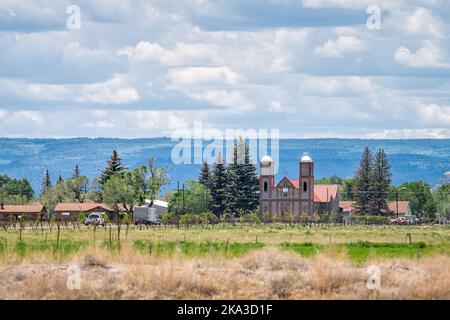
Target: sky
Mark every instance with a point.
(309, 68)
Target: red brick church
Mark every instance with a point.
(295, 196)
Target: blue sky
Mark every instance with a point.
(309, 68)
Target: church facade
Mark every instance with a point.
(296, 196)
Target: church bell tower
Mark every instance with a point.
(266, 184)
(306, 185)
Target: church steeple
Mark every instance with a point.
(306, 184)
(266, 183)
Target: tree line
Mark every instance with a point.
(119, 187)
(371, 189)
(222, 189)
(15, 190)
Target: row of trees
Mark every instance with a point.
(371, 189)
(223, 189)
(120, 188)
(15, 190)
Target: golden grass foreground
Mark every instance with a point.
(267, 271)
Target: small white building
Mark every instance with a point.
(150, 213)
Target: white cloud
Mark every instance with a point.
(363, 4)
(427, 56)
(434, 133)
(335, 3)
(340, 46)
(227, 98)
(434, 114)
(202, 76)
(3, 113)
(181, 54)
(337, 86)
(275, 106)
(113, 91)
(21, 123)
(419, 23)
(196, 57)
(95, 122)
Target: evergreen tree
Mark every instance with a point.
(381, 182)
(251, 182)
(363, 185)
(242, 181)
(218, 187)
(204, 176)
(60, 179)
(76, 172)
(46, 182)
(114, 166)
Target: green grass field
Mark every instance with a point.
(357, 243)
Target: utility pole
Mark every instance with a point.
(396, 199)
(183, 198)
(396, 196)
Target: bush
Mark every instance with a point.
(169, 219)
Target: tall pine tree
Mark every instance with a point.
(251, 182)
(363, 185)
(76, 172)
(381, 182)
(218, 187)
(114, 166)
(204, 176)
(46, 182)
(242, 181)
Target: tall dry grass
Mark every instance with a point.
(263, 274)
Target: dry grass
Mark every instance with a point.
(263, 274)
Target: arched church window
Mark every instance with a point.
(285, 190)
(305, 186)
(265, 186)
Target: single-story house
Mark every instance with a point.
(70, 211)
(27, 211)
(402, 207)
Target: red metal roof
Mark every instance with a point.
(322, 192)
(81, 207)
(17, 209)
(402, 206)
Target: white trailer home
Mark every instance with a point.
(147, 214)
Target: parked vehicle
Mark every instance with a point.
(406, 220)
(399, 221)
(145, 215)
(94, 219)
(150, 212)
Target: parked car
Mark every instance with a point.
(94, 218)
(399, 221)
(406, 220)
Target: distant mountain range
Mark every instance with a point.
(411, 160)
